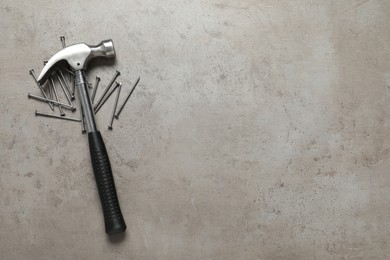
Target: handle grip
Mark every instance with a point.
(113, 218)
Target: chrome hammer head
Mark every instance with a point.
(77, 56)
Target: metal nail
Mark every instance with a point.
(49, 87)
(51, 82)
(69, 71)
(50, 91)
(95, 89)
(106, 98)
(67, 95)
(117, 73)
(127, 98)
(62, 38)
(65, 83)
(32, 73)
(56, 116)
(51, 101)
(72, 79)
(115, 105)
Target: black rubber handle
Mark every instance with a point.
(113, 218)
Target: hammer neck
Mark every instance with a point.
(80, 77)
(85, 101)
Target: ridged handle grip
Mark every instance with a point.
(113, 218)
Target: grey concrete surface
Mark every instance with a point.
(260, 130)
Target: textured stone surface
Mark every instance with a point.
(260, 130)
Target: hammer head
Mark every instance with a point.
(77, 56)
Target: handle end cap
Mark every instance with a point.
(115, 227)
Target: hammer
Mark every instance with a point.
(78, 56)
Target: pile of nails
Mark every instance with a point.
(65, 77)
